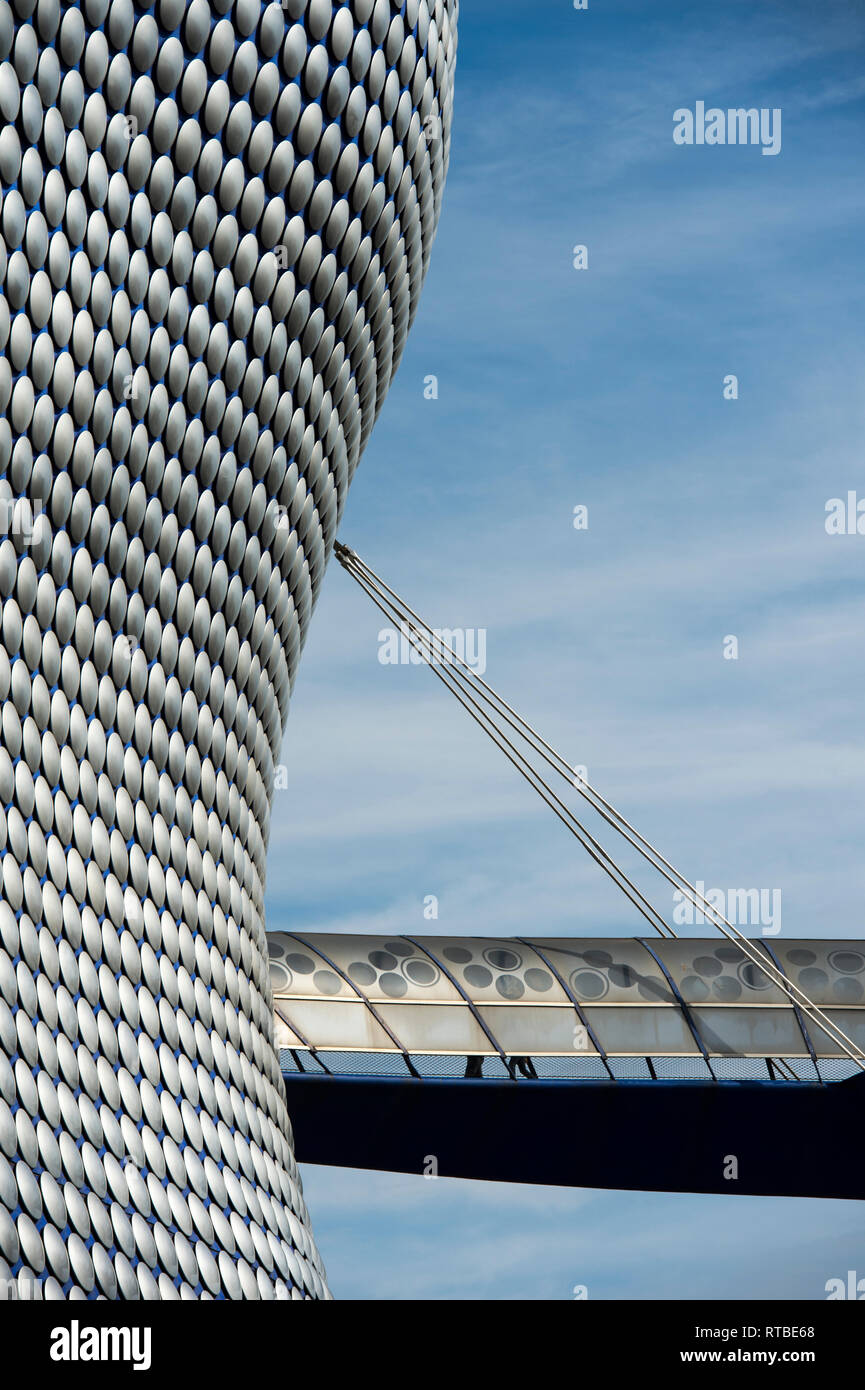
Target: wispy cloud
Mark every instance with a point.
(392, 1236)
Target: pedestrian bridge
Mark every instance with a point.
(614, 1062)
(616, 1008)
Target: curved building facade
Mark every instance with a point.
(216, 218)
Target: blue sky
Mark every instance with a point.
(603, 387)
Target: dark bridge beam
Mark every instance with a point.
(792, 1139)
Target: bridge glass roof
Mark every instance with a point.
(602, 997)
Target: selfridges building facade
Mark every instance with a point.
(216, 218)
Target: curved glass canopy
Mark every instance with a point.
(602, 998)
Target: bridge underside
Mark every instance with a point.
(793, 1139)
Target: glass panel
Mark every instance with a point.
(613, 969)
(299, 971)
(339, 1024)
(491, 970)
(527, 1031)
(753, 1032)
(850, 1021)
(831, 973)
(717, 972)
(283, 1035)
(387, 967)
(637, 1031)
(436, 1027)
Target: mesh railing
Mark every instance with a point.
(565, 1068)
